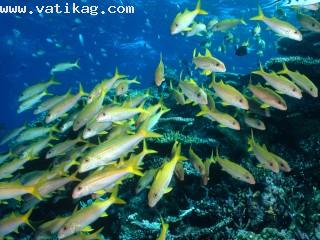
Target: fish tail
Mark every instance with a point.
(81, 91)
(194, 54)
(96, 235)
(133, 167)
(243, 21)
(34, 190)
(213, 82)
(135, 81)
(76, 63)
(54, 81)
(73, 176)
(251, 142)
(201, 113)
(114, 196)
(146, 150)
(260, 16)
(147, 134)
(199, 10)
(285, 69)
(176, 152)
(117, 75)
(25, 218)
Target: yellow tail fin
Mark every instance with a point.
(260, 16)
(199, 10)
(25, 218)
(114, 196)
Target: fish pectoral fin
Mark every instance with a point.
(169, 189)
(188, 29)
(264, 106)
(100, 192)
(206, 72)
(87, 229)
(279, 92)
(225, 104)
(222, 126)
(103, 133)
(104, 214)
(259, 165)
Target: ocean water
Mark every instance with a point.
(281, 205)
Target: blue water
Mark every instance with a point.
(31, 44)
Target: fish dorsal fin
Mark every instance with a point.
(208, 53)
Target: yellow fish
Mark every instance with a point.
(280, 27)
(229, 94)
(208, 63)
(160, 185)
(12, 222)
(159, 73)
(164, 230)
(235, 170)
(183, 20)
(301, 80)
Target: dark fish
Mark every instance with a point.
(241, 51)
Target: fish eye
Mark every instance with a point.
(49, 115)
(258, 123)
(240, 100)
(281, 165)
(247, 177)
(86, 160)
(176, 24)
(293, 90)
(311, 89)
(279, 102)
(217, 64)
(89, 129)
(271, 164)
(155, 194)
(233, 123)
(198, 95)
(79, 188)
(65, 228)
(104, 114)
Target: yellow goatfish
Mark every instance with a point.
(37, 89)
(224, 119)
(265, 158)
(254, 123)
(159, 73)
(308, 22)
(164, 230)
(9, 190)
(62, 67)
(269, 97)
(12, 222)
(183, 20)
(208, 63)
(235, 170)
(89, 111)
(229, 94)
(65, 106)
(280, 27)
(104, 178)
(146, 179)
(196, 162)
(227, 24)
(160, 184)
(106, 84)
(81, 219)
(280, 83)
(113, 149)
(191, 89)
(301, 80)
